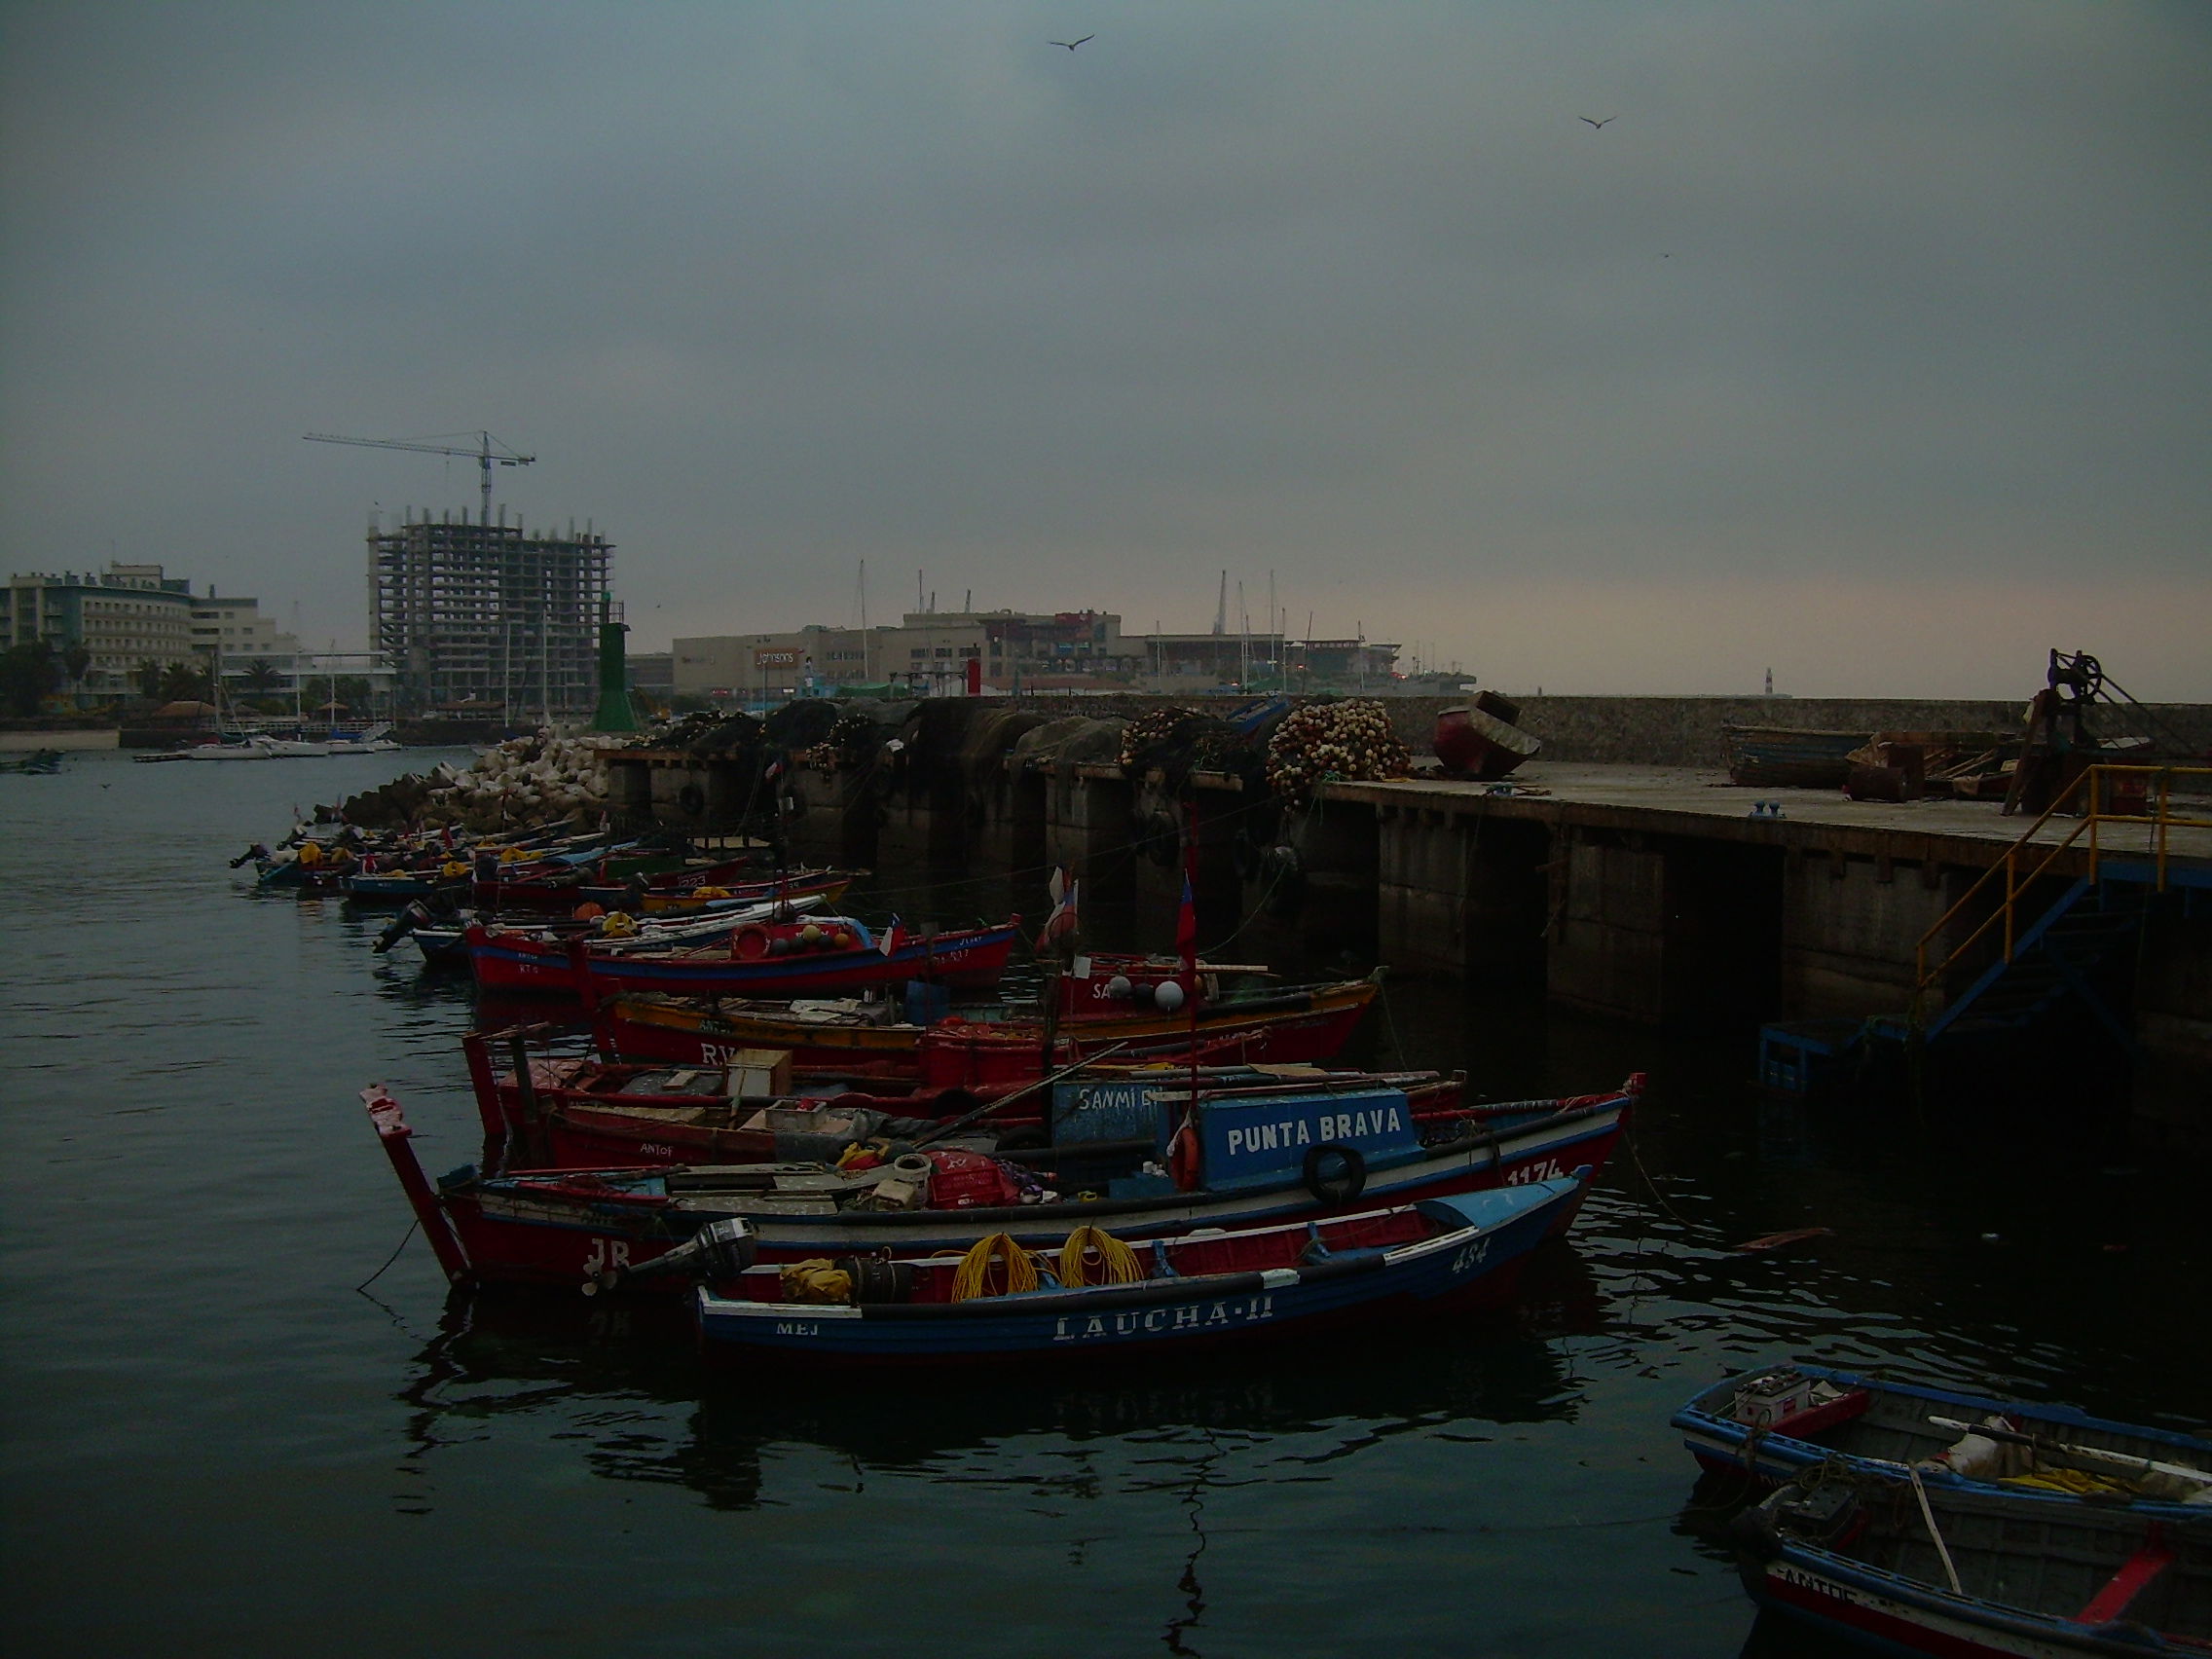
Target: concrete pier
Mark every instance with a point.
(1662, 895)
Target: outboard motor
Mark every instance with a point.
(719, 1250)
(401, 925)
(256, 850)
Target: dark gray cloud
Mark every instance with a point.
(1857, 318)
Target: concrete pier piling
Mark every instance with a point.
(1657, 894)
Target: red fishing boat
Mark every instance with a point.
(1142, 1157)
(567, 1111)
(827, 956)
(570, 1111)
(542, 957)
(973, 1046)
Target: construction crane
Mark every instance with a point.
(487, 453)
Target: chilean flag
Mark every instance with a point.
(1066, 895)
(1187, 933)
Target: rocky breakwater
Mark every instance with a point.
(526, 780)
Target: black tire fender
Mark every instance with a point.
(691, 798)
(1344, 1182)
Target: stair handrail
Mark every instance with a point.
(2092, 779)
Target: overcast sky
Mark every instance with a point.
(1867, 342)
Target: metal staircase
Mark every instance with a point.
(2057, 953)
(2042, 950)
(2126, 817)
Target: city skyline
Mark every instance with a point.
(1863, 343)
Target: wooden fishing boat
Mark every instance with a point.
(546, 958)
(560, 888)
(1779, 1420)
(1248, 1157)
(977, 1046)
(1480, 741)
(569, 1111)
(371, 889)
(675, 889)
(1100, 1297)
(771, 959)
(557, 877)
(310, 868)
(575, 1112)
(1913, 1568)
(1786, 758)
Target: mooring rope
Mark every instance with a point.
(394, 1257)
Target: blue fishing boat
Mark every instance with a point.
(1900, 1565)
(1781, 757)
(1099, 1295)
(370, 889)
(1779, 1420)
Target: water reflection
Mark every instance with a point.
(625, 1385)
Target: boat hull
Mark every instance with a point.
(1772, 1455)
(2015, 1580)
(397, 891)
(562, 1230)
(1471, 1266)
(513, 959)
(968, 960)
(976, 1053)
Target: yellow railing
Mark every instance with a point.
(2153, 804)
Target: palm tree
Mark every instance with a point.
(76, 661)
(261, 676)
(28, 673)
(148, 675)
(183, 682)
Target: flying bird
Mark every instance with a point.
(1071, 44)
(1596, 124)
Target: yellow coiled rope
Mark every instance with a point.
(1118, 1264)
(973, 1277)
(2079, 1483)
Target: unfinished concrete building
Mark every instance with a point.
(476, 616)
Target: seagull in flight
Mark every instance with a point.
(1595, 125)
(1071, 44)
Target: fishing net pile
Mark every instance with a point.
(1176, 742)
(1350, 740)
(852, 741)
(1147, 738)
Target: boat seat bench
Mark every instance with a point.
(2130, 1581)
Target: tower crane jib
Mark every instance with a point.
(487, 453)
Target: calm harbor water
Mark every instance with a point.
(215, 1444)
